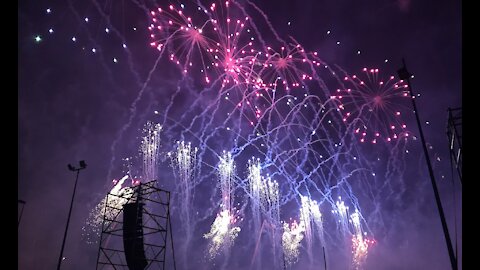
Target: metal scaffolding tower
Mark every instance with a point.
(454, 133)
(151, 228)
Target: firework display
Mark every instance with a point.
(265, 146)
(279, 102)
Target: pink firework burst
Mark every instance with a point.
(288, 66)
(186, 41)
(234, 54)
(372, 105)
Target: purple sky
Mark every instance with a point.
(73, 104)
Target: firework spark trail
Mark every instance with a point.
(184, 162)
(341, 211)
(118, 196)
(286, 142)
(196, 118)
(226, 171)
(360, 245)
(208, 131)
(338, 152)
(255, 187)
(142, 6)
(223, 232)
(291, 238)
(317, 220)
(270, 200)
(311, 218)
(266, 20)
(395, 170)
(255, 184)
(265, 198)
(149, 147)
(272, 209)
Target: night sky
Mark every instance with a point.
(89, 79)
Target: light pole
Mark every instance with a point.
(405, 75)
(83, 165)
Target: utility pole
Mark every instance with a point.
(455, 138)
(405, 75)
(22, 202)
(324, 258)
